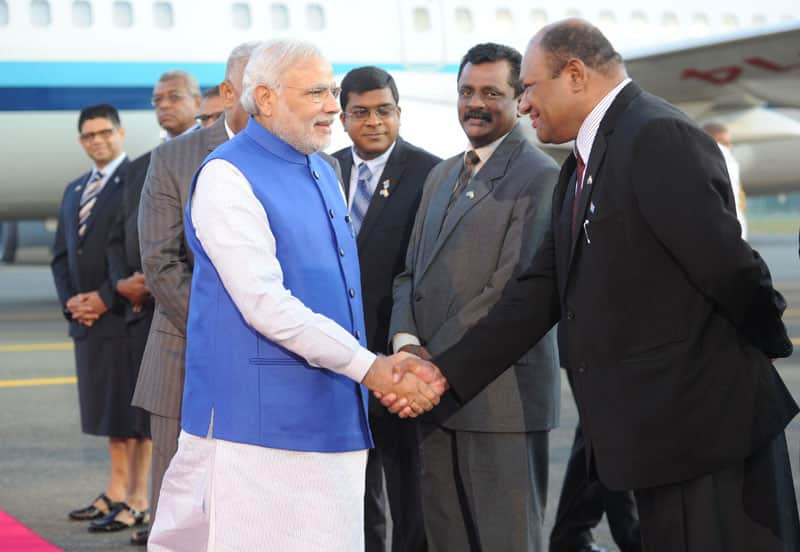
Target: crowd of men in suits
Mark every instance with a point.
(458, 270)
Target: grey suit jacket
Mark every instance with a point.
(167, 262)
(458, 263)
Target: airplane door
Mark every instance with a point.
(422, 32)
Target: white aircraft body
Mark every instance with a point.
(735, 62)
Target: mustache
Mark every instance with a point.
(482, 115)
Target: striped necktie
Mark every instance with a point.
(362, 197)
(471, 160)
(88, 200)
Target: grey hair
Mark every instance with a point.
(187, 78)
(238, 58)
(269, 62)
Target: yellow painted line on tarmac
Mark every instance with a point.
(791, 313)
(34, 347)
(36, 382)
(796, 341)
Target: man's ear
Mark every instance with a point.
(227, 95)
(265, 99)
(577, 74)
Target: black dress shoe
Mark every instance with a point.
(110, 524)
(140, 537)
(592, 547)
(91, 511)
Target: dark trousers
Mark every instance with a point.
(748, 507)
(482, 491)
(396, 454)
(582, 503)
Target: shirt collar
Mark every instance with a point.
(377, 162)
(485, 152)
(109, 169)
(590, 125)
(228, 130)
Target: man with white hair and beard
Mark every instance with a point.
(272, 451)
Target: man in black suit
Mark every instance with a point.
(383, 177)
(668, 320)
(85, 288)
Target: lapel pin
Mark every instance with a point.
(385, 191)
(589, 181)
(470, 195)
(116, 179)
(591, 208)
(79, 187)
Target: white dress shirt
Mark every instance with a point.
(376, 167)
(590, 125)
(108, 170)
(233, 228)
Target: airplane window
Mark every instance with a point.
(639, 21)
(464, 22)
(122, 14)
(573, 12)
(81, 13)
(279, 14)
(538, 19)
(3, 13)
(40, 13)
(730, 22)
(787, 17)
(759, 19)
(240, 13)
(669, 20)
(505, 21)
(163, 17)
(701, 25)
(315, 17)
(607, 17)
(422, 20)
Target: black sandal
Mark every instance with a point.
(109, 524)
(91, 511)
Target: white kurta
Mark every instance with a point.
(220, 495)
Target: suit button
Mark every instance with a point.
(582, 367)
(570, 315)
(80, 251)
(347, 219)
(358, 334)
(341, 252)
(352, 292)
(331, 213)
(316, 174)
(417, 297)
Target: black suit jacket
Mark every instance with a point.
(124, 257)
(79, 263)
(668, 318)
(385, 231)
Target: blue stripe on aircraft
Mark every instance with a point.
(69, 98)
(139, 74)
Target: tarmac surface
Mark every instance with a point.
(48, 467)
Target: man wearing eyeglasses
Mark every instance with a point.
(383, 176)
(483, 214)
(211, 107)
(91, 304)
(274, 439)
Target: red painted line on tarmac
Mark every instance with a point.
(15, 537)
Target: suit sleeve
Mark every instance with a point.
(403, 288)
(529, 222)
(161, 240)
(683, 192)
(60, 265)
(528, 307)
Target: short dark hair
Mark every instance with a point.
(578, 39)
(364, 79)
(212, 92)
(489, 52)
(99, 111)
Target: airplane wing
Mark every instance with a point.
(746, 69)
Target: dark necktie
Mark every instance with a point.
(471, 160)
(88, 199)
(362, 197)
(578, 187)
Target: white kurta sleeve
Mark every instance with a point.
(233, 228)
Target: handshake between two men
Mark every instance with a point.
(407, 383)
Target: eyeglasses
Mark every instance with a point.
(487, 96)
(381, 112)
(318, 93)
(205, 117)
(104, 134)
(172, 97)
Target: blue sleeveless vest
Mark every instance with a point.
(259, 392)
